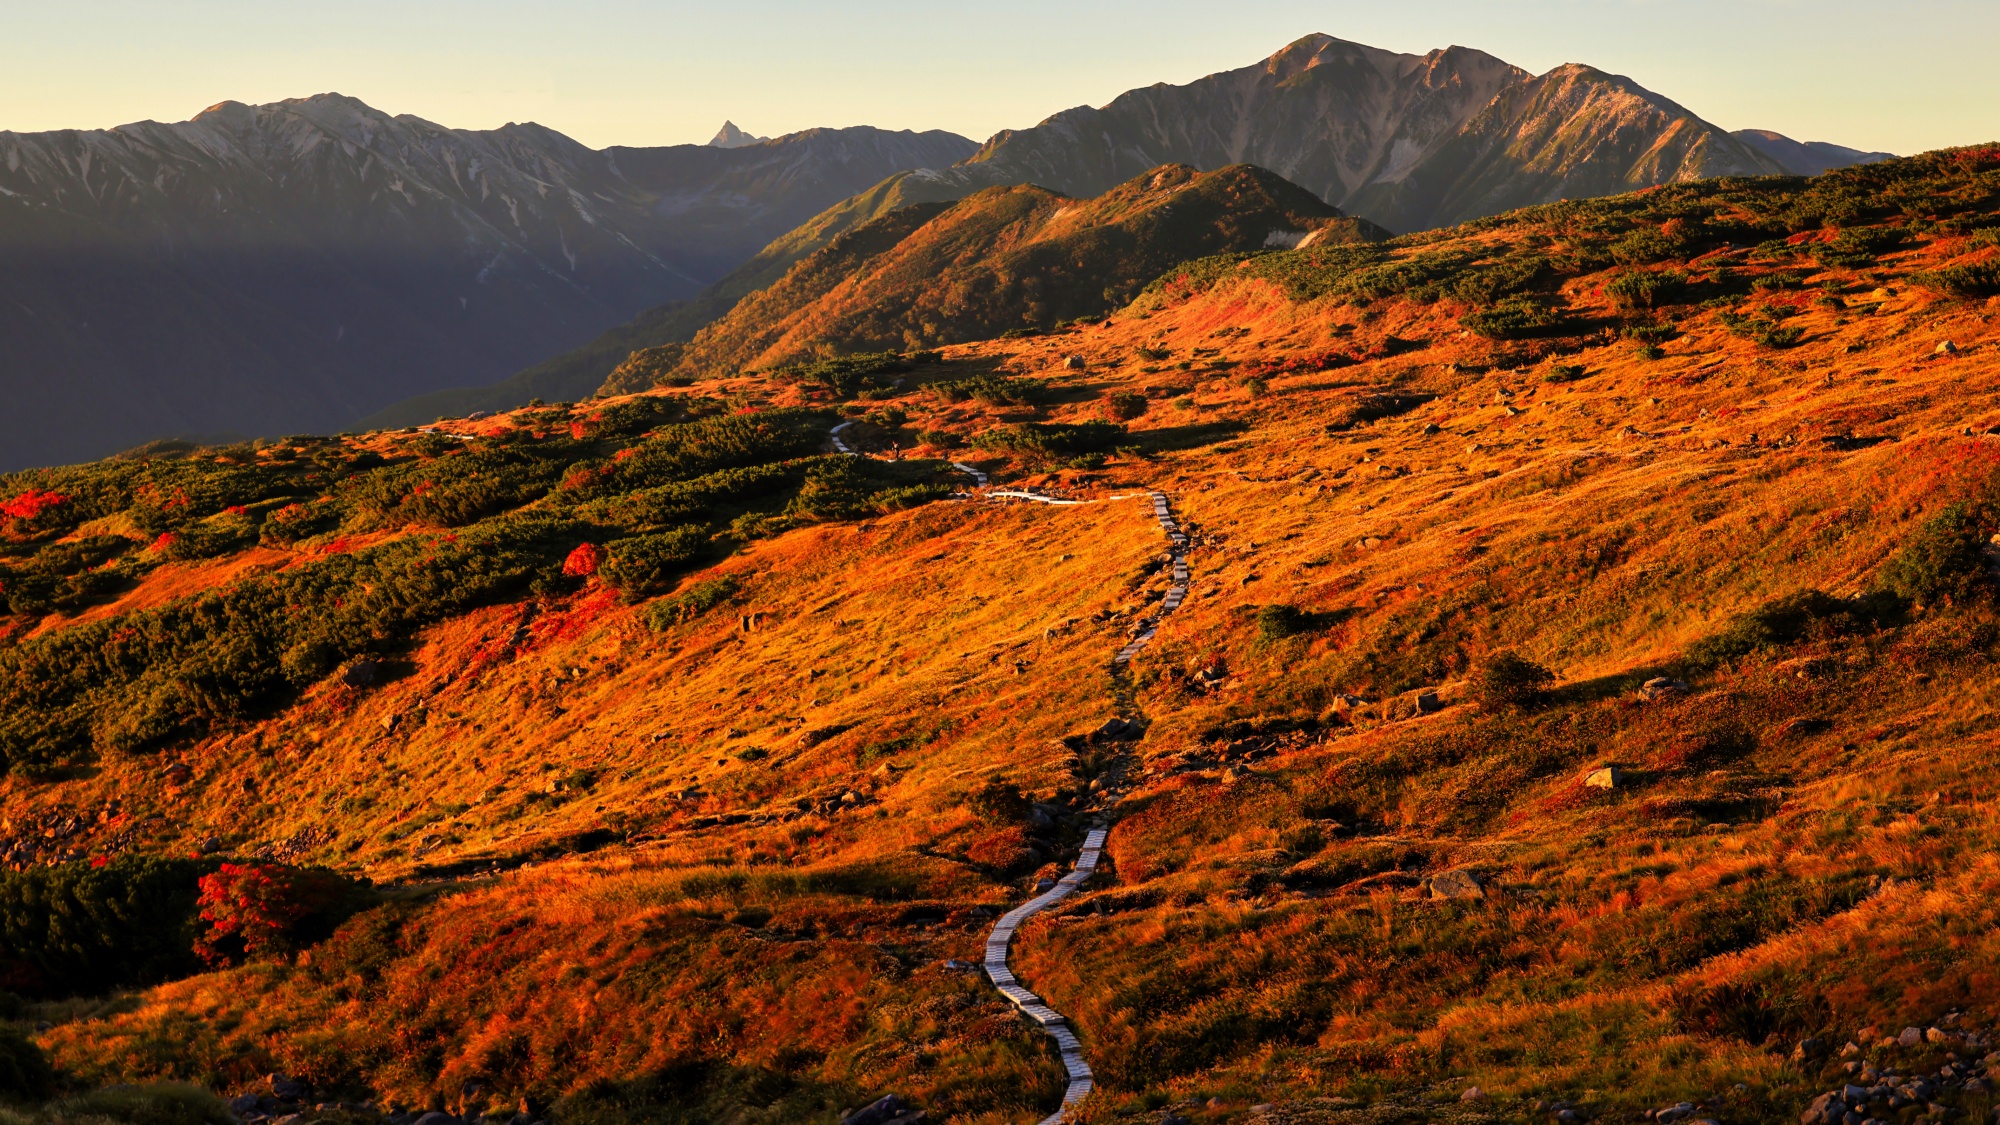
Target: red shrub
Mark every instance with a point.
(584, 561)
(267, 908)
(165, 540)
(31, 504)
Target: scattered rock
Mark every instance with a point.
(211, 845)
(361, 673)
(1911, 1036)
(1427, 702)
(1117, 730)
(1472, 1094)
(1947, 348)
(390, 720)
(1660, 687)
(1074, 363)
(285, 1086)
(886, 1110)
(1610, 777)
(1456, 884)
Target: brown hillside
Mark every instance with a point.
(1006, 258)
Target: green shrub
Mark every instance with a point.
(690, 603)
(1943, 560)
(1978, 279)
(848, 376)
(1277, 622)
(25, 1073)
(1052, 438)
(1303, 840)
(1516, 318)
(79, 929)
(151, 1103)
(1126, 405)
(1508, 680)
(1635, 290)
(992, 390)
(1781, 621)
(645, 565)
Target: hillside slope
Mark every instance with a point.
(1582, 694)
(1004, 259)
(295, 266)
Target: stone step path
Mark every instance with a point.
(978, 478)
(1081, 1081)
(840, 445)
(1177, 545)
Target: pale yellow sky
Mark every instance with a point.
(1900, 77)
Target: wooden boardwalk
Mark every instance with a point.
(1081, 1081)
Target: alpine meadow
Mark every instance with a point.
(1364, 589)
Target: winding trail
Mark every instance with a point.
(1081, 1080)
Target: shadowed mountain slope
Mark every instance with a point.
(298, 265)
(1807, 158)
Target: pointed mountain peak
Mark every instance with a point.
(729, 136)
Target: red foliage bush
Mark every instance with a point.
(165, 540)
(584, 561)
(32, 503)
(267, 908)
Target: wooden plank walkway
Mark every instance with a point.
(1177, 545)
(1081, 1081)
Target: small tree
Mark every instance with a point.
(1511, 681)
(269, 909)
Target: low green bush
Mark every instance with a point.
(1510, 681)
(1943, 560)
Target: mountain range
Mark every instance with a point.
(260, 269)
(1408, 141)
(313, 263)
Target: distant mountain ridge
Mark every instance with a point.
(1807, 158)
(1409, 141)
(294, 266)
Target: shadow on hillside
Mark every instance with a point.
(1171, 439)
(1600, 688)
